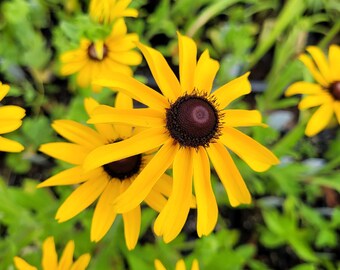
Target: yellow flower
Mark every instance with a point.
(190, 124)
(106, 11)
(106, 182)
(50, 258)
(325, 92)
(180, 265)
(10, 120)
(100, 58)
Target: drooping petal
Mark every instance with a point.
(66, 260)
(171, 219)
(132, 221)
(141, 142)
(162, 73)
(8, 145)
(81, 198)
(258, 157)
(82, 262)
(321, 62)
(135, 90)
(21, 264)
(232, 90)
(207, 211)
(158, 265)
(205, 73)
(155, 200)
(147, 178)
(242, 118)
(195, 265)
(180, 265)
(229, 175)
(49, 257)
(187, 62)
(68, 152)
(320, 119)
(308, 62)
(314, 100)
(10, 112)
(334, 61)
(305, 88)
(104, 214)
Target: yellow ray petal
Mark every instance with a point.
(11, 112)
(66, 260)
(85, 74)
(172, 218)
(180, 265)
(50, 257)
(162, 73)
(258, 157)
(155, 200)
(119, 28)
(314, 100)
(144, 117)
(21, 264)
(104, 215)
(82, 262)
(147, 178)
(78, 133)
(194, 265)
(123, 43)
(232, 90)
(68, 152)
(242, 118)
(229, 175)
(308, 62)
(130, 58)
(159, 265)
(123, 101)
(337, 110)
(4, 89)
(7, 145)
(70, 176)
(187, 62)
(207, 211)
(132, 221)
(334, 61)
(306, 88)
(321, 62)
(141, 142)
(205, 73)
(81, 198)
(9, 125)
(320, 119)
(164, 185)
(135, 90)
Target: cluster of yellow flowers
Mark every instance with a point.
(159, 153)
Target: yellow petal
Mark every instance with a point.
(308, 62)
(337, 110)
(81, 198)
(123, 101)
(314, 100)
(144, 117)
(229, 175)
(66, 260)
(132, 221)
(78, 133)
(9, 125)
(155, 200)
(180, 265)
(9, 112)
(135, 90)
(195, 265)
(82, 262)
(162, 73)
(129, 58)
(85, 74)
(141, 142)
(104, 214)
(172, 218)
(306, 88)
(320, 119)
(207, 211)
(334, 61)
(21, 264)
(187, 62)
(68, 152)
(4, 89)
(158, 265)
(205, 73)
(50, 257)
(232, 90)
(7, 145)
(147, 178)
(258, 157)
(321, 62)
(242, 118)
(119, 28)
(123, 43)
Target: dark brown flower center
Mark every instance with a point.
(124, 168)
(93, 54)
(192, 121)
(335, 90)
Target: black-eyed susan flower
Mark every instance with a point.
(98, 59)
(106, 182)
(50, 258)
(10, 120)
(180, 265)
(190, 125)
(325, 92)
(106, 11)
